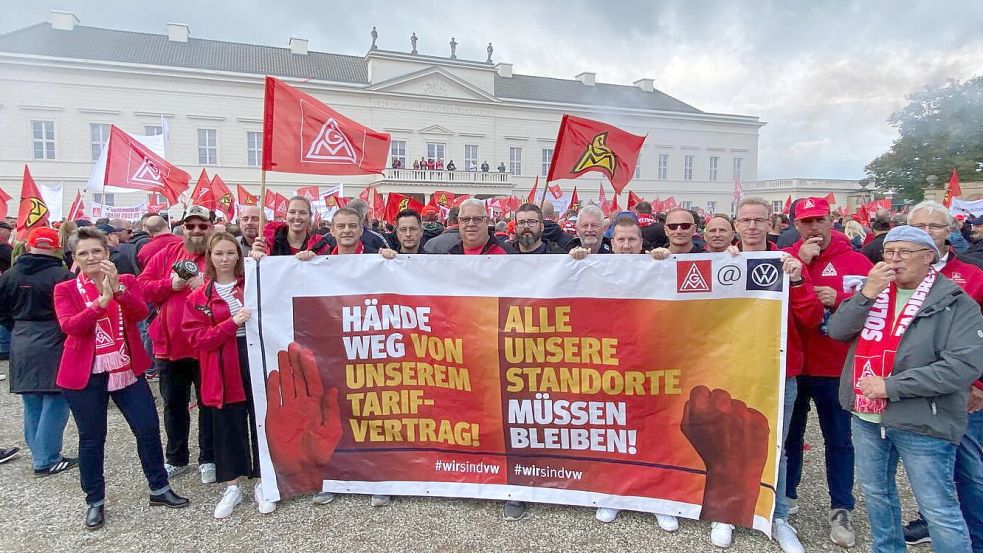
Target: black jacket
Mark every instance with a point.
(124, 257)
(605, 245)
(874, 250)
(6, 250)
(788, 237)
(654, 236)
(554, 233)
(546, 246)
(27, 289)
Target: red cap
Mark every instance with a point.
(429, 210)
(43, 238)
(811, 207)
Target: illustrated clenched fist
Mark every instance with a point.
(303, 422)
(732, 440)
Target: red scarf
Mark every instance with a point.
(880, 338)
(112, 354)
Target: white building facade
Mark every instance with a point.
(62, 84)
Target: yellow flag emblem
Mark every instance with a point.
(597, 155)
(404, 203)
(38, 211)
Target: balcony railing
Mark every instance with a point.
(450, 177)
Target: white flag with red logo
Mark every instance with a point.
(77, 211)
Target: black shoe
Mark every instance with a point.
(916, 532)
(95, 517)
(169, 499)
(63, 464)
(8, 454)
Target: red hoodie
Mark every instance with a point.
(208, 321)
(155, 244)
(970, 279)
(823, 355)
(170, 342)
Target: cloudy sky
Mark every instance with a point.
(824, 75)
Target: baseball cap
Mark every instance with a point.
(198, 211)
(108, 229)
(908, 233)
(811, 207)
(975, 220)
(43, 238)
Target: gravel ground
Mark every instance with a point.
(46, 514)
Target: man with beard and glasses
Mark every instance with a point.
(529, 232)
(409, 235)
(167, 288)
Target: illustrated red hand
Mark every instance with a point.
(303, 423)
(732, 440)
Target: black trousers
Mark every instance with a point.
(176, 379)
(234, 431)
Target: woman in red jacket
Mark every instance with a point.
(104, 358)
(295, 236)
(215, 317)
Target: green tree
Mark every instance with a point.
(940, 128)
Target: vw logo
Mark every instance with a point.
(765, 275)
(729, 275)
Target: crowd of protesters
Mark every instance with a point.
(885, 339)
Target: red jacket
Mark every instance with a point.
(154, 245)
(275, 237)
(170, 342)
(968, 277)
(823, 355)
(208, 322)
(78, 322)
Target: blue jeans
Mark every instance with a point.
(835, 425)
(781, 506)
(929, 463)
(45, 417)
(969, 479)
(89, 406)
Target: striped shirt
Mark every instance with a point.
(225, 292)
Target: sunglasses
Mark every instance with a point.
(811, 220)
(199, 226)
(684, 226)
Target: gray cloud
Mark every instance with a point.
(824, 75)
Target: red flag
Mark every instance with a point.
(787, 208)
(366, 195)
(574, 200)
(555, 190)
(583, 145)
(614, 205)
(269, 200)
(224, 201)
(77, 211)
(310, 192)
(738, 190)
(602, 201)
(130, 164)
(830, 198)
(245, 198)
(953, 190)
(302, 135)
(281, 205)
(669, 203)
(202, 194)
(459, 199)
(633, 200)
(333, 200)
(398, 202)
(441, 198)
(33, 212)
(378, 206)
(531, 198)
(511, 205)
(4, 198)
(157, 204)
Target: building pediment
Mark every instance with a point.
(434, 82)
(436, 129)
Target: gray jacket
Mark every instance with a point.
(444, 242)
(939, 357)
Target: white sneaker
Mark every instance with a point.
(380, 500)
(721, 534)
(668, 523)
(207, 471)
(231, 498)
(173, 470)
(262, 505)
(606, 514)
(323, 498)
(785, 535)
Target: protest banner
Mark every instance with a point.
(132, 213)
(616, 381)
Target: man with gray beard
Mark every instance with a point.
(167, 286)
(529, 232)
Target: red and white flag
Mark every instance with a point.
(130, 164)
(202, 193)
(602, 201)
(738, 190)
(310, 192)
(633, 200)
(77, 211)
(954, 190)
(222, 196)
(157, 204)
(33, 212)
(555, 190)
(245, 198)
(303, 135)
(4, 198)
(531, 198)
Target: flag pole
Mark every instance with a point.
(262, 198)
(542, 199)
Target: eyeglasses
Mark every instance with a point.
(903, 254)
(812, 220)
(199, 226)
(526, 222)
(674, 226)
(469, 220)
(407, 230)
(933, 226)
(756, 221)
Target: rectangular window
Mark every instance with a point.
(43, 135)
(547, 158)
(714, 164)
(712, 206)
(515, 160)
(436, 150)
(152, 130)
(254, 148)
(98, 135)
(688, 168)
(738, 164)
(471, 157)
(397, 153)
(110, 199)
(686, 204)
(663, 166)
(638, 166)
(207, 147)
(777, 206)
